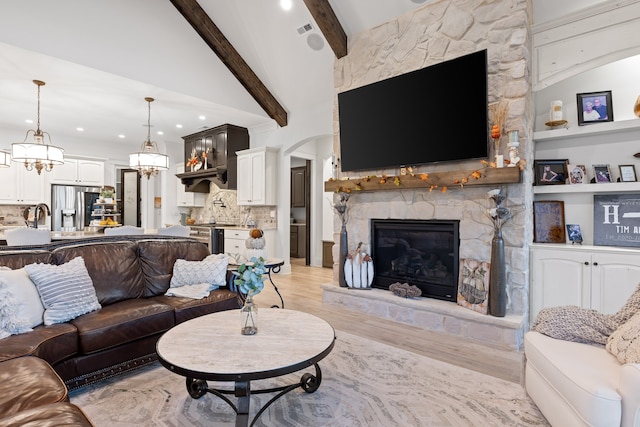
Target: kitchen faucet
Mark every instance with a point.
(39, 207)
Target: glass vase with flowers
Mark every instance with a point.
(250, 281)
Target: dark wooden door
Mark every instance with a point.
(298, 187)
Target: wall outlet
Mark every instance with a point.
(272, 213)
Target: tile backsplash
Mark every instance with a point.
(222, 206)
(12, 214)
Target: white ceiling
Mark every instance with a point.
(100, 59)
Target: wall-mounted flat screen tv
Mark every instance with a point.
(435, 114)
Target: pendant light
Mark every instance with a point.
(148, 161)
(38, 154)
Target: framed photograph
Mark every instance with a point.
(627, 173)
(594, 107)
(574, 233)
(577, 174)
(548, 222)
(550, 172)
(602, 173)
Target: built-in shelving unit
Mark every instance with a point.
(595, 129)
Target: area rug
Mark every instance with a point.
(364, 384)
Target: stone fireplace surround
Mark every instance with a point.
(438, 31)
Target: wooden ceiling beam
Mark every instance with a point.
(329, 25)
(213, 37)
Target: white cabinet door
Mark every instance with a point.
(257, 176)
(559, 277)
(91, 172)
(615, 276)
(235, 241)
(9, 187)
(21, 186)
(79, 172)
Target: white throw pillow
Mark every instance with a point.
(66, 290)
(624, 343)
(212, 270)
(20, 305)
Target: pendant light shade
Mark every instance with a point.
(38, 154)
(149, 161)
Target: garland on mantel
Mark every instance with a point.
(441, 181)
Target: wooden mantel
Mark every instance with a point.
(432, 180)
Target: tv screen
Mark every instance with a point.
(436, 114)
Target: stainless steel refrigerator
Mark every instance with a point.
(71, 206)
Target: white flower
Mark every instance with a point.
(493, 193)
(493, 212)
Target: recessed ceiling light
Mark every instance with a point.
(179, 126)
(80, 129)
(28, 121)
(160, 132)
(121, 136)
(202, 117)
(286, 4)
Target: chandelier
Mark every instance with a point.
(148, 161)
(38, 154)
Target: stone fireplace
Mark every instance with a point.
(423, 253)
(438, 31)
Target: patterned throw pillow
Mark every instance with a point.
(20, 305)
(212, 270)
(66, 290)
(624, 343)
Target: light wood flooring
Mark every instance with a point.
(301, 291)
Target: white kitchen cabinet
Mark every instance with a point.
(187, 199)
(257, 169)
(235, 241)
(21, 186)
(79, 172)
(594, 277)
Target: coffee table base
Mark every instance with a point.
(198, 388)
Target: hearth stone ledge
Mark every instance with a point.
(431, 314)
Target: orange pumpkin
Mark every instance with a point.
(256, 233)
(495, 132)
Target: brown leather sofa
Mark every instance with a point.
(130, 275)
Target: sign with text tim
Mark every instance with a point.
(616, 219)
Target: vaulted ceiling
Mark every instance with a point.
(100, 59)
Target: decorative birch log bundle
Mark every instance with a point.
(358, 269)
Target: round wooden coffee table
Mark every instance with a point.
(211, 347)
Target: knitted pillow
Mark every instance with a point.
(572, 323)
(212, 270)
(20, 305)
(624, 343)
(66, 290)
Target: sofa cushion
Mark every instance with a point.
(121, 323)
(107, 262)
(624, 343)
(585, 376)
(19, 258)
(53, 415)
(158, 257)
(66, 290)
(189, 308)
(211, 270)
(53, 343)
(28, 382)
(20, 306)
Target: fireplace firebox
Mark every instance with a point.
(418, 252)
